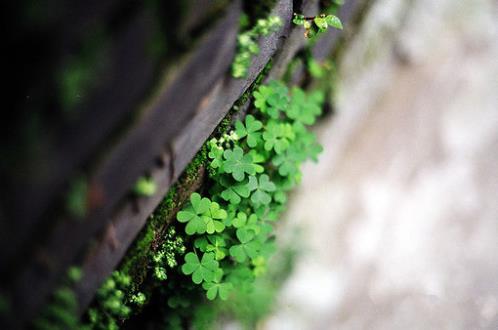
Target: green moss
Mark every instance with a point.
(191, 172)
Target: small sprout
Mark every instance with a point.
(317, 24)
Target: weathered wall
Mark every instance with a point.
(401, 214)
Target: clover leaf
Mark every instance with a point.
(216, 245)
(216, 154)
(202, 216)
(212, 218)
(304, 109)
(287, 163)
(234, 193)
(201, 243)
(307, 145)
(259, 264)
(194, 214)
(261, 96)
(238, 164)
(240, 220)
(249, 130)
(220, 289)
(277, 136)
(248, 247)
(216, 288)
(201, 270)
(248, 223)
(271, 98)
(261, 189)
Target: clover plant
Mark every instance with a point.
(251, 169)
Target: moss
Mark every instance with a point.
(191, 172)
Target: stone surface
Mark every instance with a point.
(401, 214)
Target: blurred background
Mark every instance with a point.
(400, 216)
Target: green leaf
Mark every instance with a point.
(261, 189)
(217, 246)
(212, 218)
(249, 130)
(277, 136)
(234, 193)
(298, 19)
(334, 22)
(194, 214)
(248, 248)
(260, 97)
(304, 108)
(202, 216)
(240, 220)
(271, 98)
(201, 270)
(199, 204)
(145, 187)
(287, 163)
(216, 154)
(315, 68)
(217, 289)
(238, 164)
(321, 23)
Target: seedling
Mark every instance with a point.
(315, 25)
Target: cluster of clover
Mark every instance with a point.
(252, 169)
